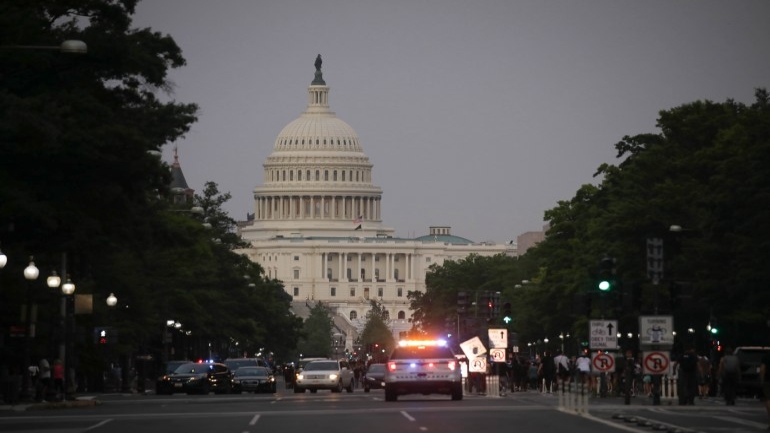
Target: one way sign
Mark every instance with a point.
(603, 334)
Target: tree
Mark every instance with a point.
(376, 331)
(316, 340)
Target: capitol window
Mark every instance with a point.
(343, 175)
(401, 315)
(333, 291)
(400, 292)
(296, 274)
(380, 290)
(352, 292)
(299, 175)
(353, 315)
(296, 291)
(317, 175)
(334, 175)
(326, 175)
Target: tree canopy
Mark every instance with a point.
(706, 172)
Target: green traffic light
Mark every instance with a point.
(604, 285)
(507, 319)
(714, 331)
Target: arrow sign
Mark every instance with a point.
(602, 334)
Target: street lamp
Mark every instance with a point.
(71, 46)
(31, 272)
(3, 259)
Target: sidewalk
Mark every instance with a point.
(86, 401)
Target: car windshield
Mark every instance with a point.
(376, 368)
(238, 363)
(251, 371)
(192, 368)
(321, 365)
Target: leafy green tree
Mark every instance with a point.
(316, 339)
(376, 330)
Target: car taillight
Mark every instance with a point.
(392, 366)
(430, 365)
(452, 365)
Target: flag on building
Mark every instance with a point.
(358, 220)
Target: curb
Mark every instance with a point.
(52, 405)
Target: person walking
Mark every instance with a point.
(58, 379)
(764, 379)
(730, 374)
(45, 379)
(547, 371)
(688, 377)
(562, 367)
(704, 376)
(583, 364)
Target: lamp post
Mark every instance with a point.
(31, 272)
(67, 290)
(67, 47)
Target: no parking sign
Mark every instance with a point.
(656, 362)
(602, 362)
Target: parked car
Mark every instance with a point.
(197, 378)
(253, 379)
(167, 369)
(324, 374)
(751, 358)
(374, 377)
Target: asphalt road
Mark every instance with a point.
(286, 412)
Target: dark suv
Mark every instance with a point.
(751, 358)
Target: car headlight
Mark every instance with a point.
(332, 376)
(300, 376)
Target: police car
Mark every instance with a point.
(423, 367)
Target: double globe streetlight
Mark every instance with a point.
(67, 290)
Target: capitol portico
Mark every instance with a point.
(317, 225)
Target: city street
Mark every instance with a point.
(359, 412)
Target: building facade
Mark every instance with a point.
(317, 225)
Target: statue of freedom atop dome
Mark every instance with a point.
(319, 77)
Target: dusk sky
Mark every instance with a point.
(480, 115)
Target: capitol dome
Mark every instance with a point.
(317, 181)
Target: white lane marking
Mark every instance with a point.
(254, 420)
(95, 426)
(407, 416)
(741, 421)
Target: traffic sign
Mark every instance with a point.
(603, 334)
(656, 330)
(478, 365)
(498, 338)
(602, 362)
(473, 348)
(497, 355)
(656, 362)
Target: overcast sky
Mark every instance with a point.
(480, 115)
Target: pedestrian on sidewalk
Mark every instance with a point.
(58, 379)
(730, 374)
(764, 379)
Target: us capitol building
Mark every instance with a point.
(317, 226)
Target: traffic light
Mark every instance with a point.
(606, 279)
(507, 314)
(462, 302)
(495, 305)
(485, 304)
